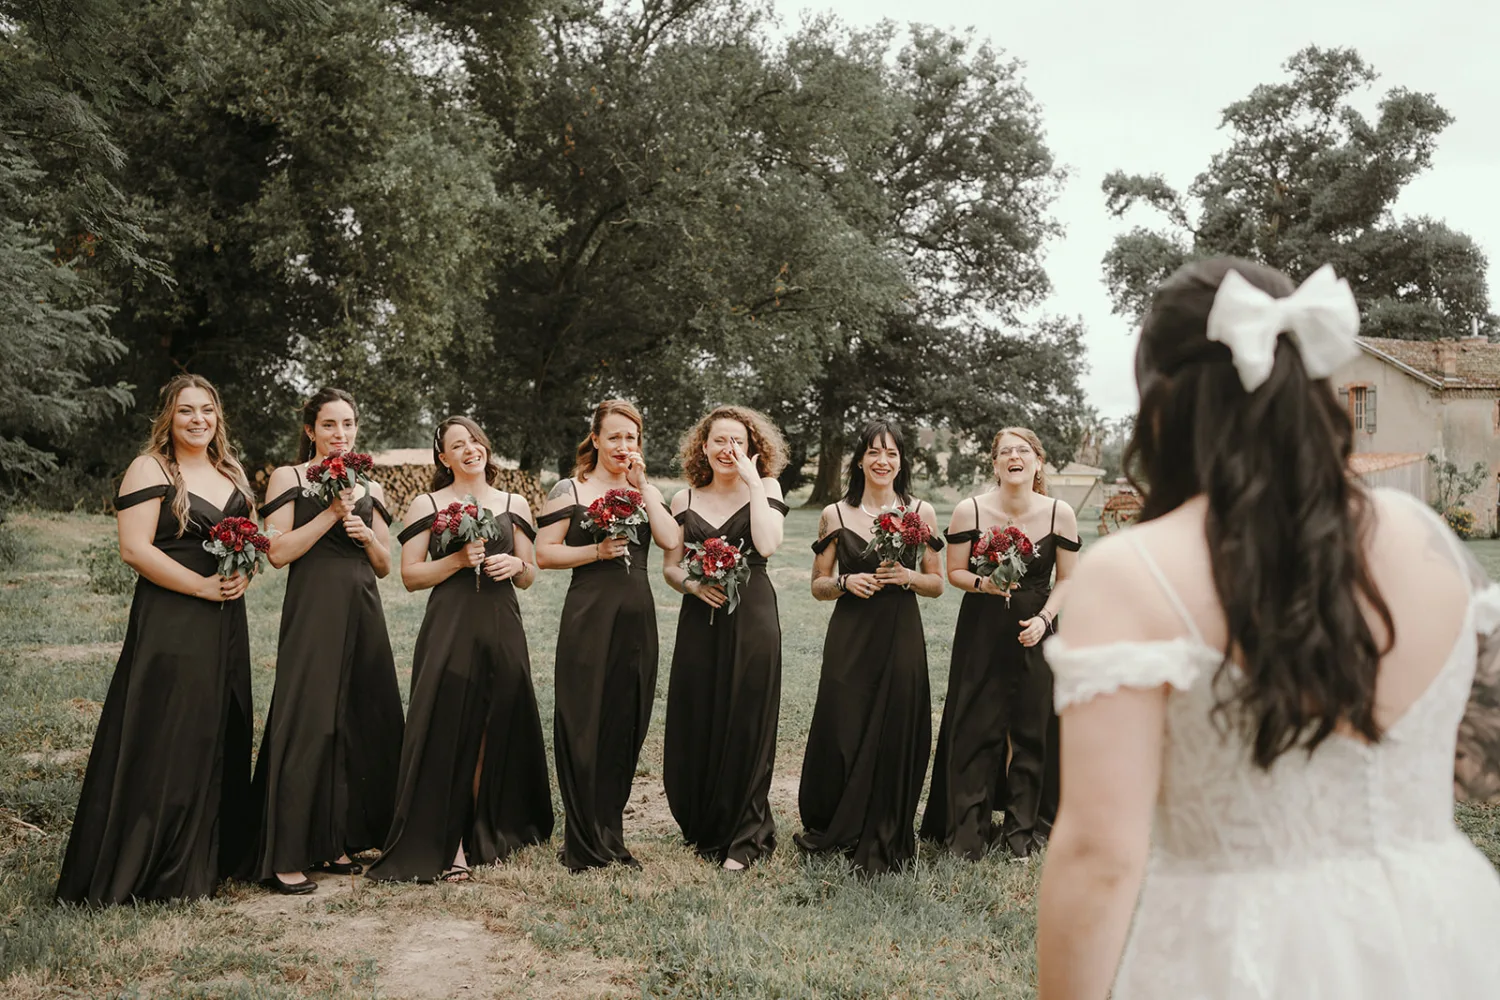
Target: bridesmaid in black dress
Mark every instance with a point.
(473, 787)
(326, 772)
(607, 646)
(166, 810)
(872, 724)
(724, 695)
(993, 746)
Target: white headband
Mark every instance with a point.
(1320, 316)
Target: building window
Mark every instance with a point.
(1362, 408)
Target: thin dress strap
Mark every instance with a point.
(975, 502)
(508, 498)
(1052, 529)
(574, 486)
(157, 459)
(1166, 588)
(689, 499)
(432, 500)
(838, 508)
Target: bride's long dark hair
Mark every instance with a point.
(1287, 522)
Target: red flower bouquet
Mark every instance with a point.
(716, 561)
(468, 522)
(617, 514)
(239, 546)
(338, 472)
(897, 532)
(1002, 554)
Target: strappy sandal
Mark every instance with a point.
(454, 873)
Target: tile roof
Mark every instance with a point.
(1364, 463)
(1477, 361)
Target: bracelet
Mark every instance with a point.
(843, 583)
(597, 556)
(978, 584)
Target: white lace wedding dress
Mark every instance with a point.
(1339, 876)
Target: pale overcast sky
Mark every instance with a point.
(1140, 87)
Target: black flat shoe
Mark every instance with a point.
(339, 868)
(302, 888)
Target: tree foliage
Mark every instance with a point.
(1305, 180)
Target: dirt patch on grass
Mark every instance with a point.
(648, 813)
(78, 653)
(433, 956)
(61, 758)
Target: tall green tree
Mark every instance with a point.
(1305, 180)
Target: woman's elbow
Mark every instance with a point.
(1110, 856)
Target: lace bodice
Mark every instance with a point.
(1217, 809)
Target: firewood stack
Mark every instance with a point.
(405, 473)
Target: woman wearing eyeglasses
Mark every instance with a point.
(992, 751)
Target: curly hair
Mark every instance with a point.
(1039, 483)
(765, 444)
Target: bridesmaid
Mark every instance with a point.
(473, 787)
(326, 772)
(872, 724)
(166, 809)
(606, 648)
(724, 695)
(999, 686)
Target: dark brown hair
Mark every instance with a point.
(588, 455)
(763, 441)
(1287, 523)
(854, 475)
(310, 411)
(442, 476)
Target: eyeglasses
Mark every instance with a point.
(1020, 451)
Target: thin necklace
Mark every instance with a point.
(869, 513)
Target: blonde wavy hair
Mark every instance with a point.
(764, 441)
(1039, 484)
(220, 452)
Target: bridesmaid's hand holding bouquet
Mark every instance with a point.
(240, 547)
(715, 562)
(469, 522)
(1001, 554)
(617, 514)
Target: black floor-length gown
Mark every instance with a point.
(166, 809)
(326, 772)
(872, 724)
(999, 701)
(471, 695)
(723, 703)
(605, 685)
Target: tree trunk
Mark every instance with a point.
(828, 484)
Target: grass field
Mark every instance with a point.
(680, 928)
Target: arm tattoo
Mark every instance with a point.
(825, 523)
(826, 586)
(559, 490)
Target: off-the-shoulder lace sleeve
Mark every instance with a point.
(1083, 674)
(824, 542)
(415, 528)
(141, 496)
(519, 522)
(1487, 609)
(778, 506)
(281, 500)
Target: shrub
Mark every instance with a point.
(1461, 520)
(108, 573)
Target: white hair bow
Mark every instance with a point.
(1321, 317)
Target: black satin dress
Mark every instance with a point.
(999, 702)
(472, 701)
(605, 685)
(166, 809)
(871, 729)
(723, 704)
(326, 772)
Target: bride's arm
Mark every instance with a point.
(1111, 771)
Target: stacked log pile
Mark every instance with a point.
(406, 473)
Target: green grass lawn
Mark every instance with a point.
(680, 928)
